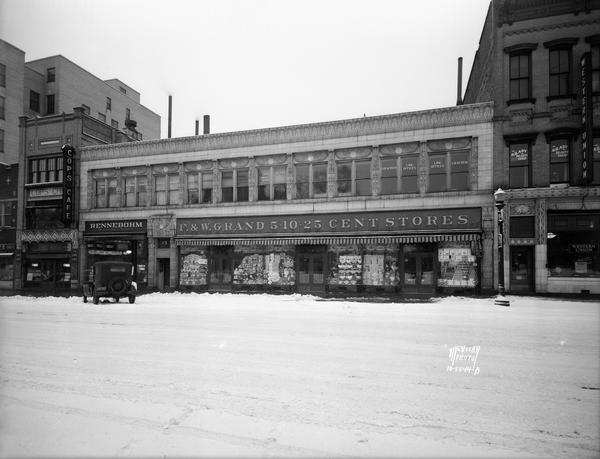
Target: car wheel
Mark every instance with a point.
(117, 286)
(96, 299)
(132, 299)
(84, 299)
(117, 298)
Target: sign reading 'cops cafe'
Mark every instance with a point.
(391, 222)
(68, 182)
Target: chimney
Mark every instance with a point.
(170, 113)
(197, 127)
(459, 100)
(206, 124)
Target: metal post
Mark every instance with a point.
(499, 198)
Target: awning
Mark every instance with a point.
(344, 240)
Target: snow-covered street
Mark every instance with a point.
(258, 375)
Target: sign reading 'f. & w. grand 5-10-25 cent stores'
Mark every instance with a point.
(390, 222)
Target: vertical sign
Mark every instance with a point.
(68, 182)
(587, 122)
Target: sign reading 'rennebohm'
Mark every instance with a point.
(68, 183)
(390, 222)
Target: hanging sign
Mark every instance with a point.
(68, 183)
(587, 122)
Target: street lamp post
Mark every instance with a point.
(499, 199)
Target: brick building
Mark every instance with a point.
(529, 64)
(397, 203)
(45, 104)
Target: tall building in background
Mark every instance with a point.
(45, 104)
(539, 62)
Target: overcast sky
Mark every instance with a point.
(260, 63)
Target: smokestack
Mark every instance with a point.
(170, 113)
(197, 127)
(206, 124)
(459, 100)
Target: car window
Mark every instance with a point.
(117, 269)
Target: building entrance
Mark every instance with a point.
(521, 269)
(311, 267)
(419, 272)
(221, 267)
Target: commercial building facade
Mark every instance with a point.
(539, 62)
(390, 204)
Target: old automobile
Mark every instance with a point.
(110, 279)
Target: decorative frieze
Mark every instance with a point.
(54, 235)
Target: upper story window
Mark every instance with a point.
(136, 190)
(596, 160)
(127, 114)
(1, 140)
(50, 74)
(105, 189)
(596, 68)
(234, 185)
(2, 76)
(519, 71)
(43, 170)
(449, 171)
(34, 101)
(272, 183)
(166, 189)
(560, 155)
(122, 89)
(8, 213)
(354, 177)
(519, 159)
(560, 72)
(199, 187)
(50, 104)
(108, 103)
(311, 180)
(2, 115)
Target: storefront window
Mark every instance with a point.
(194, 268)
(7, 268)
(458, 265)
(574, 245)
(129, 250)
(345, 265)
(380, 266)
(255, 265)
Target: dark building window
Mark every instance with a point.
(519, 165)
(560, 155)
(272, 183)
(108, 103)
(234, 185)
(2, 140)
(44, 170)
(596, 68)
(389, 175)
(2, 76)
(448, 171)
(354, 177)
(207, 187)
(50, 74)
(50, 104)
(2, 100)
(44, 215)
(34, 101)
(520, 76)
(560, 72)
(522, 227)
(311, 180)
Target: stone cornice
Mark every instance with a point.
(568, 192)
(556, 25)
(426, 119)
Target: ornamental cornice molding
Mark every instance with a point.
(569, 192)
(56, 235)
(427, 119)
(543, 28)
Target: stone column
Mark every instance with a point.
(375, 171)
(423, 178)
(331, 175)
(541, 246)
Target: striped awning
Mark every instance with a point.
(338, 240)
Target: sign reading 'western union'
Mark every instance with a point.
(397, 222)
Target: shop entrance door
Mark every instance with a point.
(419, 273)
(221, 268)
(521, 269)
(163, 273)
(311, 269)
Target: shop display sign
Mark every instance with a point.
(116, 227)
(398, 222)
(68, 183)
(519, 154)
